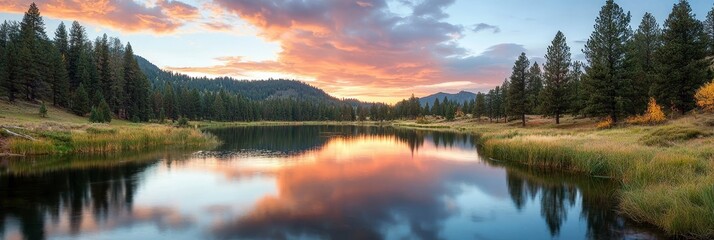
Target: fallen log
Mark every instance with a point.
(19, 135)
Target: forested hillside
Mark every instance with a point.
(626, 69)
(251, 89)
(103, 79)
(460, 97)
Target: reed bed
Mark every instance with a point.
(666, 173)
(109, 139)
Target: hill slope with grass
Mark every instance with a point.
(24, 132)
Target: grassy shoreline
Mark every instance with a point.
(95, 139)
(24, 132)
(666, 172)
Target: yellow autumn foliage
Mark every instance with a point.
(705, 97)
(654, 115)
(605, 123)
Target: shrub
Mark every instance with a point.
(666, 136)
(422, 120)
(94, 116)
(605, 123)
(101, 114)
(105, 114)
(182, 122)
(459, 114)
(654, 115)
(43, 110)
(705, 97)
(93, 130)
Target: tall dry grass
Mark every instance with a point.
(666, 172)
(109, 139)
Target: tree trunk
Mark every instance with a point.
(523, 120)
(557, 118)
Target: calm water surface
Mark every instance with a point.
(307, 182)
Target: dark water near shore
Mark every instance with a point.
(306, 182)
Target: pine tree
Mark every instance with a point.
(576, 93)
(170, 102)
(645, 43)
(606, 72)
(77, 48)
(480, 105)
(97, 98)
(449, 111)
(218, 108)
(517, 95)
(27, 73)
(30, 56)
(136, 88)
(104, 66)
(116, 66)
(505, 105)
(162, 115)
(10, 33)
(681, 59)
(557, 67)
(80, 102)
(709, 29)
(43, 110)
(105, 113)
(534, 88)
(436, 108)
(497, 107)
(95, 116)
(3, 57)
(61, 41)
(59, 81)
(489, 104)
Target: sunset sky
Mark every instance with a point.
(374, 50)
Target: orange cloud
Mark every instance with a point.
(362, 49)
(176, 9)
(166, 16)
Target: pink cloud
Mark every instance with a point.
(165, 17)
(361, 48)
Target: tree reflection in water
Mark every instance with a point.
(392, 180)
(66, 190)
(558, 193)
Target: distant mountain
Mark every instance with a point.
(252, 89)
(458, 97)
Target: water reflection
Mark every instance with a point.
(333, 182)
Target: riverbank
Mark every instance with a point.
(209, 125)
(24, 132)
(666, 171)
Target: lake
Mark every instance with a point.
(306, 182)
